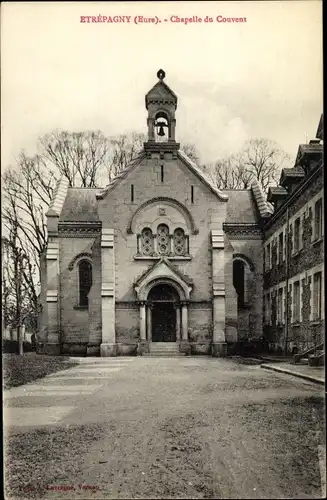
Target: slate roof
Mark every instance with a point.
(80, 205)
(291, 173)
(241, 207)
(313, 148)
(276, 192)
(160, 91)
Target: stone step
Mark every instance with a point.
(163, 348)
(164, 354)
(172, 348)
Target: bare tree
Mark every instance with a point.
(79, 156)
(124, 148)
(259, 159)
(191, 151)
(19, 297)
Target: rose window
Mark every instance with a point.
(147, 241)
(163, 239)
(179, 242)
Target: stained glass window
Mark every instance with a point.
(163, 239)
(179, 242)
(147, 241)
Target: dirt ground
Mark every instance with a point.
(168, 428)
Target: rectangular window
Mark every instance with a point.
(296, 302)
(268, 309)
(192, 194)
(281, 247)
(316, 296)
(297, 226)
(280, 306)
(132, 193)
(318, 220)
(162, 173)
(268, 257)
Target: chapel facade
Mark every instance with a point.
(159, 258)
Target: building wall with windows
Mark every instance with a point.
(293, 294)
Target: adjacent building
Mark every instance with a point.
(293, 285)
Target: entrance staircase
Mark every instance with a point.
(164, 349)
(312, 357)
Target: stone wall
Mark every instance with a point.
(206, 212)
(74, 321)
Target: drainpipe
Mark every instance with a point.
(287, 278)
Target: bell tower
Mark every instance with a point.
(161, 104)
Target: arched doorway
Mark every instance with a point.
(164, 300)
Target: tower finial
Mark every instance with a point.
(161, 74)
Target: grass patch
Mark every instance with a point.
(37, 461)
(19, 370)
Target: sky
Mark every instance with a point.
(234, 81)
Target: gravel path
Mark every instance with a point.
(168, 428)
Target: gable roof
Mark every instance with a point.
(180, 155)
(163, 261)
(241, 207)
(80, 205)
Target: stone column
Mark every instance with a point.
(149, 322)
(142, 321)
(151, 129)
(219, 346)
(143, 345)
(172, 129)
(171, 245)
(184, 345)
(52, 345)
(185, 321)
(108, 346)
(178, 322)
(155, 244)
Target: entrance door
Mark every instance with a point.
(163, 297)
(163, 322)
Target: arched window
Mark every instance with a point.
(239, 281)
(179, 242)
(85, 282)
(163, 239)
(146, 241)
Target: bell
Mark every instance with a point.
(161, 131)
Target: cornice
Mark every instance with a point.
(79, 229)
(240, 231)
